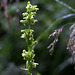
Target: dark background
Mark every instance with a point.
(11, 45)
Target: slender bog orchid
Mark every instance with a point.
(27, 34)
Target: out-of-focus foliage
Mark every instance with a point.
(11, 45)
(70, 3)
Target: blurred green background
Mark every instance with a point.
(11, 45)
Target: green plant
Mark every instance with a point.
(28, 19)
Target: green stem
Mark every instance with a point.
(29, 68)
(29, 48)
(29, 27)
(29, 72)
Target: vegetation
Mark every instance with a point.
(53, 15)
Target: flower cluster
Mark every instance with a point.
(29, 56)
(28, 16)
(29, 37)
(55, 33)
(71, 43)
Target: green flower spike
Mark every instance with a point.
(27, 34)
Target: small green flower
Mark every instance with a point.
(25, 14)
